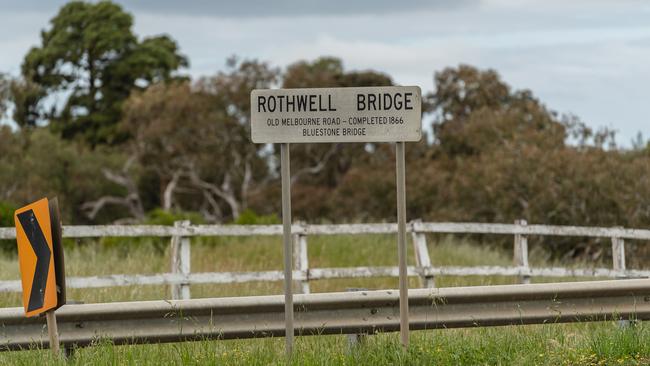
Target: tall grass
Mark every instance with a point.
(598, 343)
(577, 344)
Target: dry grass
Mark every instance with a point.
(600, 343)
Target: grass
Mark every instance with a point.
(585, 344)
(578, 344)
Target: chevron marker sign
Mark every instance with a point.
(38, 235)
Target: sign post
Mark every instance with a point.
(335, 115)
(40, 254)
(288, 245)
(400, 162)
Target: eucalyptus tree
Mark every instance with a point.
(90, 58)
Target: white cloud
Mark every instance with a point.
(585, 57)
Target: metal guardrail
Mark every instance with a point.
(331, 313)
(180, 277)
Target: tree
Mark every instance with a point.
(317, 169)
(90, 56)
(242, 167)
(196, 140)
(36, 163)
(10, 147)
(5, 86)
(173, 127)
(475, 110)
(25, 96)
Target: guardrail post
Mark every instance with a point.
(521, 253)
(422, 259)
(356, 339)
(301, 259)
(618, 255)
(180, 262)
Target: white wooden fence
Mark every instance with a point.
(180, 277)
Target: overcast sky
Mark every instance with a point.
(589, 58)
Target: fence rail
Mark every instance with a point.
(180, 276)
(331, 313)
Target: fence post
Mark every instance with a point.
(180, 262)
(521, 253)
(422, 259)
(301, 259)
(618, 264)
(618, 256)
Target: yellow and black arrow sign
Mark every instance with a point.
(38, 234)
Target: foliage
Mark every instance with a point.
(7, 220)
(5, 87)
(318, 169)
(497, 154)
(162, 217)
(476, 111)
(91, 56)
(550, 344)
(7, 214)
(36, 164)
(196, 139)
(249, 217)
(25, 96)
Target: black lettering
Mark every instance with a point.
(320, 104)
(261, 103)
(272, 99)
(407, 101)
(280, 101)
(329, 103)
(291, 103)
(399, 102)
(388, 102)
(302, 103)
(371, 102)
(361, 102)
(312, 103)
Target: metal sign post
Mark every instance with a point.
(40, 256)
(400, 162)
(288, 247)
(335, 115)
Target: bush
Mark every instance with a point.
(154, 217)
(162, 217)
(7, 220)
(249, 217)
(6, 214)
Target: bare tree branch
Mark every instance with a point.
(10, 191)
(217, 214)
(92, 208)
(246, 183)
(131, 201)
(318, 167)
(168, 195)
(225, 192)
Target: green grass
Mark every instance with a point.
(578, 344)
(588, 343)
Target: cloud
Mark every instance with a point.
(258, 8)
(288, 8)
(586, 57)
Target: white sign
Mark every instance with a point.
(372, 114)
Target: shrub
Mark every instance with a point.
(249, 217)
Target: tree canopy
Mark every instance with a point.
(132, 141)
(90, 56)
(5, 86)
